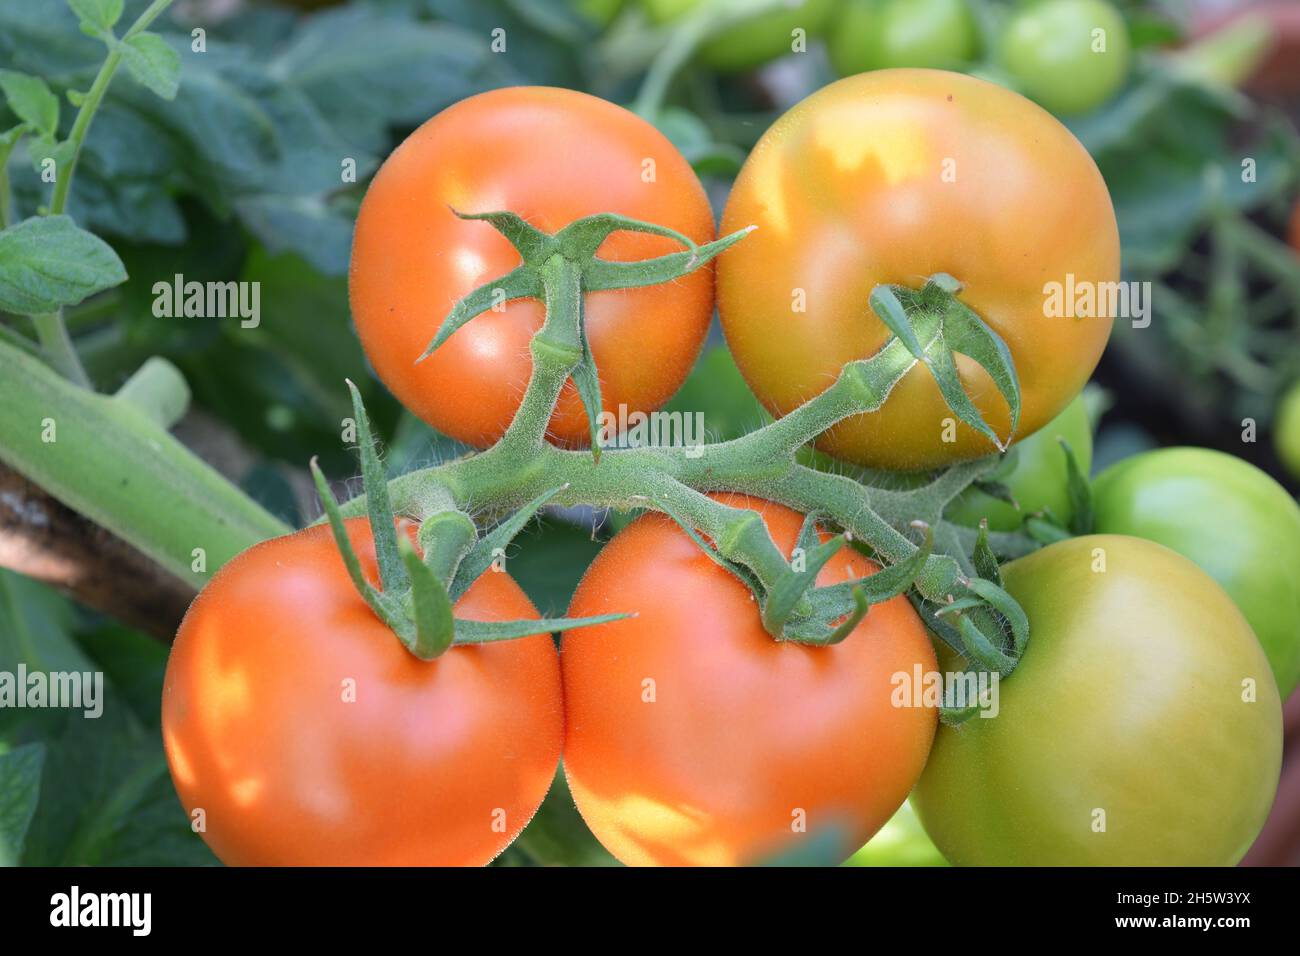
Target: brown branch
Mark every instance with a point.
(44, 539)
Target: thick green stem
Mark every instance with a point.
(158, 389)
(556, 351)
(106, 459)
(53, 336)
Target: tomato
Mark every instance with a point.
(875, 34)
(1286, 430)
(308, 735)
(901, 842)
(754, 40)
(693, 738)
(851, 189)
(1125, 736)
(1232, 519)
(1039, 478)
(1054, 51)
(552, 156)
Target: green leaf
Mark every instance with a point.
(48, 262)
(98, 14)
(20, 788)
(31, 100)
(1080, 492)
(152, 63)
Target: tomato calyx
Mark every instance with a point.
(418, 589)
(559, 269)
(933, 324)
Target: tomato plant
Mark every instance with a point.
(848, 191)
(1069, 55)
(1094, 758)
(872, 35)
(1038, 480)
(413, 257)
(306, 734)
(693, 738)
(755, 39)
(1233, 520)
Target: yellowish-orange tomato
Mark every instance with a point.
(551, 156)
(890, 177)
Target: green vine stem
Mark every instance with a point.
(112, 460)
(50, 327)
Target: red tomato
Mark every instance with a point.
(552, 156)
(692, 737)
(308, 735)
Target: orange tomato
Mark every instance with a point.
(692, 737)
(308, 735)
(889, 177)
(552, 156)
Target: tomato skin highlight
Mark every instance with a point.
(552, 156)
(1127, 700)
(743, 732)
(1235, 522)
(414, 772)
(847, 191)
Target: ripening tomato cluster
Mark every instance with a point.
(1142, 724)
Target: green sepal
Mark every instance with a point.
(1002, 602)
(742, 573)
(483, 632)
(434, 627)
(985, 561)
(1079, 491)
(522, 283)
(385, 608)
(483, 553)
(579, 240)
(533, 245)
(1046, 530)
(586, 378)
(787, 590)
(603, 274)
(374, 480)
(889, 309)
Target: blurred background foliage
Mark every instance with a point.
(238, 177)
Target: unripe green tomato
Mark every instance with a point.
(1140, 727)
(1038, 480)
(902, 841)
(753, 41)
(1048, 49)
(1286, 429)
(876, 34)
(1238, 524)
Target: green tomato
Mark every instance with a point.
(1286, 427)
(876, 34)
(1126, 736)
(900, 842)
(1050, 49)
(753, 41)
(1236, 522)
(1038, 479)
